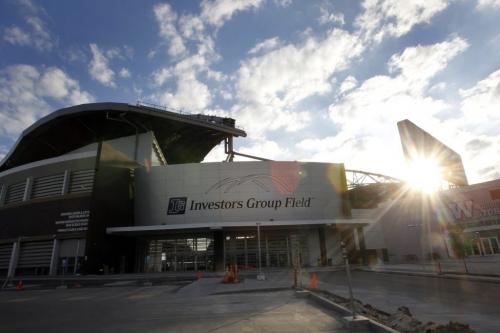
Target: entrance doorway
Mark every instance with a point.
(278, 248)
(179, 253)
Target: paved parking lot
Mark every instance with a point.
(159, 309)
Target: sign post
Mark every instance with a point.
(349, 282)
(261, 275)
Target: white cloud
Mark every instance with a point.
(391, 98)
(166, 19)
(283, 3)
(257, 119)
(190, 95)
(191, 26)
(418, 64)
(189, 67)
(257, 147)
(488, 4)
(34, 33)
(124, 73)
(226, 95)
(55, 83)
(367, 115)
(122, 53)
(30, 6)
(327, 17)
(348, 84)
(99, 67)
(41, 35)
(217, 12)
(38, 35)
(74, 54)
(266, 45)
(381, 18)
(152, 54)
(278, 77)
(265, 148)
(291, 73)
(438, 87)
(17, 36)
(481, 103)
(359, 153)
(26, 93)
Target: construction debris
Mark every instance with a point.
(402, 320)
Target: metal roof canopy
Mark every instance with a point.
(183, 138)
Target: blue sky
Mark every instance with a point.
(308, 80)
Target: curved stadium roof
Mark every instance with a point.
(183, 138)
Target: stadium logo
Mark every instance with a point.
(258, 179)
(177, 206)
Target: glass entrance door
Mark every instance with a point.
(277, 248)
(179, 253)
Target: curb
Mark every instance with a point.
(259, 290)
(452, 276)
(360, 324)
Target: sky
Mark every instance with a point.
(322, 81)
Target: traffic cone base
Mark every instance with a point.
(313, 281)
(20, 285)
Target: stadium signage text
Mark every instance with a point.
(73, 221)
(178, 205)
(468, 210)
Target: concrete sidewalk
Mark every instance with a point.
(429, 299)
(477, 265)
(431, 270)
(249, 283)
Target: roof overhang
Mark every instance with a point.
(183, 138)
(151, 229)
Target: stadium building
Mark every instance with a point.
(110, 187)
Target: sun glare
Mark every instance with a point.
(424, 175)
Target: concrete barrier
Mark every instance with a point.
(360, 324)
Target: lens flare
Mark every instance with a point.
(424, 175)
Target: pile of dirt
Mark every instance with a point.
(402, 320)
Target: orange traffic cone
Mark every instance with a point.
(199, 275)
(313, 281)
(20, 285)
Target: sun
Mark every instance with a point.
(424, 175)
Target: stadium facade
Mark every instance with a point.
(110, 187)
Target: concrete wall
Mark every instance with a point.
(410, 229)
(238, 192)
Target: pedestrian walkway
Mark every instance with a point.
(448, 270)
(476, 265)
(429, 299)
(249, 283)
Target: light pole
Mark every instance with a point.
(349, 281)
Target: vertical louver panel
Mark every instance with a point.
(15, 193)
(35, 254)
(81, 181)
(5, 252)
(48, 186)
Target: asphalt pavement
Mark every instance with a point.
(162, 308)
(428, 298)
